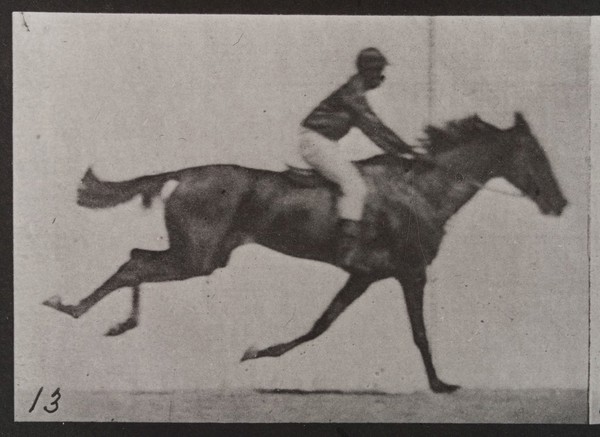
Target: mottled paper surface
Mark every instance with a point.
(506, 305)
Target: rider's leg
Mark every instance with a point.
(324, 155)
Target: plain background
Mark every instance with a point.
(507, 298)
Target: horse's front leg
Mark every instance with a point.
(132, 320)
(413, 285)
(355, 286)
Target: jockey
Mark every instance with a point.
(331, 120)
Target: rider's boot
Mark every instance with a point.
(348, 250)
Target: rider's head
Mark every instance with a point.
(370, 63)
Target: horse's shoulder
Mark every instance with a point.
(395, 188)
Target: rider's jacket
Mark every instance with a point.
(347, 107)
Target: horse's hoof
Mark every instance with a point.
(115, 330)
(250, 354)
(442, 387)
(54, 302)
(121, 328)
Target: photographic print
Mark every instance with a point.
(301, 218)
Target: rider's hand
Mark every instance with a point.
(420, 150)
(418, 154)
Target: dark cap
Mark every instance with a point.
(370, 58)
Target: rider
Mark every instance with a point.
(331, 120)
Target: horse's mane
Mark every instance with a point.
(455, 133)
(442, 139)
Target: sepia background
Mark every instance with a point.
(507, 297)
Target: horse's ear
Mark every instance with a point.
(520, 122)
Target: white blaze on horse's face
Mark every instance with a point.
(529, 170)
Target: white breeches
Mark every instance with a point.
(324, 155)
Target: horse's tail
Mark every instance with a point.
(94, 193)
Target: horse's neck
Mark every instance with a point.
(460, 174)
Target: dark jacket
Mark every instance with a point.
(347, 107)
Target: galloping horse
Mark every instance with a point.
(216, 208)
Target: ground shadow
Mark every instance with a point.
(295, 391)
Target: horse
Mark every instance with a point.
(216, 208)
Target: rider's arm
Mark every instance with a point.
(371, 125)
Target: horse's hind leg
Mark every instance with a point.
(144, 266)
(355, 287)
(199, 243)
(133, 319)
(220, 259)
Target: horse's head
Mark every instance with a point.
(528, 169)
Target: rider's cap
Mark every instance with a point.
(370, 58)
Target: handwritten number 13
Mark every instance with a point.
(53, 404)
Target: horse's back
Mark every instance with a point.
(390, 186)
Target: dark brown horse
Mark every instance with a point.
(216, 208)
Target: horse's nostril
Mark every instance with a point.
(560, 206)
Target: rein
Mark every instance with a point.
(493, 190)
(469, 180)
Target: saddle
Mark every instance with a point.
(307, 178)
